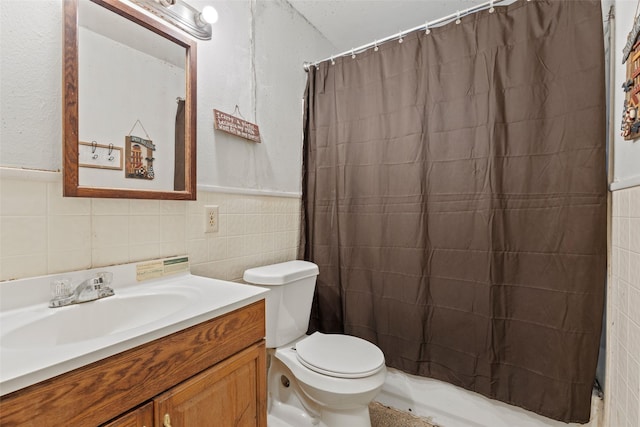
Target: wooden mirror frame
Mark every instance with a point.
(70, 123)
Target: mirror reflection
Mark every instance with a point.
(131, 90)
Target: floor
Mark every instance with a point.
(383, 416)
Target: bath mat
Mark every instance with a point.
(384, 416)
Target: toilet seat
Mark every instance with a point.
(340, 356)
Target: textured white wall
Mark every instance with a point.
(254, 61)
(31, 84)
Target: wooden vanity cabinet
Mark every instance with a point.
(228, 394)
(141, 417)
(213, 373)
(223, 396)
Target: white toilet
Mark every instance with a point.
(325, 380)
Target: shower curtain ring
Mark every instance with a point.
(491, 8)
(353, 54)
(458, 21)
(427, 30)
(400, 39)
(332, 61)
(375, 46)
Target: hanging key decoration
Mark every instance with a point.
(99, 156)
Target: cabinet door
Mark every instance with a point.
(230, 394)
(141, 417)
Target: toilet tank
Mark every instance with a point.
(288, 307)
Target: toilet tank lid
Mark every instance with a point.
(280, 274)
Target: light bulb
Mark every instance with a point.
(209, 15)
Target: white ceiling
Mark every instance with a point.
(352, 23)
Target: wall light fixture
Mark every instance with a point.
(183, 16)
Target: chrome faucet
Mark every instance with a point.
(91, 289)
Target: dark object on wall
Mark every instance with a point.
(236, 126)
(455, 201)
(139, 158)
(630, 127)
(178, 171)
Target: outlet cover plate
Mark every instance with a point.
(211, 219)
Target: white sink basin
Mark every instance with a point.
(91, 320)
(38, 342)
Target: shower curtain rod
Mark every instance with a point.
(459, 14)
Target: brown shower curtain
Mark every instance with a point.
(454, 200)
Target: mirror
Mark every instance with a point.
(129, 104)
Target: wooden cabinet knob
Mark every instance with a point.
(167, 421)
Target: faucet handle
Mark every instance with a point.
(105, 277)
(103, 288)
(61, 288)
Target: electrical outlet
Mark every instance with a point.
(211, 219)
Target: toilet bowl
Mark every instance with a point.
(325, 380)
(340, 398)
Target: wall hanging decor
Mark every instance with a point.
(139, 155)
(99, 156)
(229, 123)
(630, 127)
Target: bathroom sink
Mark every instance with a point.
(38, 342)
(82, 322)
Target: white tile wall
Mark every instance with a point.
(622, 393)
(41, 232)
(247, 233)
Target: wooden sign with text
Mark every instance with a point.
(235, 126)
